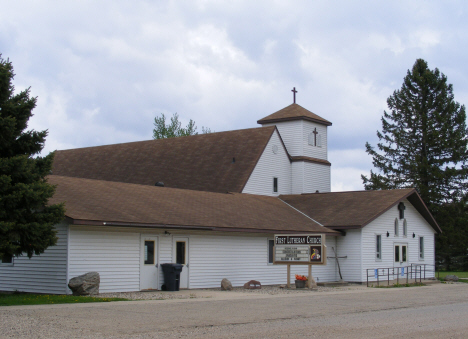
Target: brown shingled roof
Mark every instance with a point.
(341, 210)
(202, 162)
(310, 159)
(99, 202)
(294, 112)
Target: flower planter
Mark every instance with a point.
(301, 283)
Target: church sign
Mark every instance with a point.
(300, 249)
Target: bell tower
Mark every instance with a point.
(304, 134)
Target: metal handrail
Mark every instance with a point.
(410, 272)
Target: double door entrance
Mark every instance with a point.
(400, 256)
(149, 260)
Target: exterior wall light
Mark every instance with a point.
(414, 235)
(388, 234)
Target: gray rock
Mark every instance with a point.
(252, 285)
(86, 284)
(451, 277)
(226, 285)
(313, 283)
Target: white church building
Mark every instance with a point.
(213, 203)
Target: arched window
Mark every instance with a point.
(396, 227)
(319, 140)
(405, 228)
(311, 139)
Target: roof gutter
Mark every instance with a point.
(185, 227)
(129, 224)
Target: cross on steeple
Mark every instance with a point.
(315, 136)
(294, 94)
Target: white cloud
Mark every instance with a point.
(346, 179)
(103, 70)
(347, 167)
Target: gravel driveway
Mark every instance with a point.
(434, 311)
(237, 291)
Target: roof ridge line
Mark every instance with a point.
(154, 140)
(357, 191)
(141, 185)
(301, 212)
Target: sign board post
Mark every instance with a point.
(300, 249)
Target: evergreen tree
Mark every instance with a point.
(174, 129)
(26, 222)
(423, 143)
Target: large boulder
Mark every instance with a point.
(252, 285)
(86, 284)
(451, 277)
(226, 285)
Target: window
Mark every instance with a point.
(401, 208)
(275, 185)
(405, 228)
(396, 227)
(319, 141)
(180, 252)
(378, 247)
(421, 248)
(149, 252)
(271, 244)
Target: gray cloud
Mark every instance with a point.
(103, 70)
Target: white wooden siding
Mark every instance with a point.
(45, 273)
(243, 258)
(385, 223)
(291, 133)
(297, 179)
(316, 177)
(295, 135)
(350, 246)
(114, 254)
(269, 166)
(314, 151)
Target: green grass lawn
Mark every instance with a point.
(40, 299)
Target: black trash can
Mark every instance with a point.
(172, 276)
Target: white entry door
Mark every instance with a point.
(400, 255)
(180, 255)
(149, 262)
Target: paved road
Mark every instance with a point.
(419, 312)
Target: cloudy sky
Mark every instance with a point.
(102, 70)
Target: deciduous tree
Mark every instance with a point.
(174, 129)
